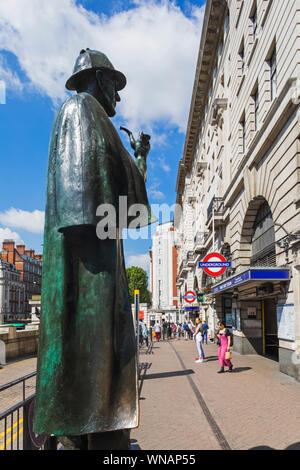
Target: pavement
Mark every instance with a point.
(188, 406)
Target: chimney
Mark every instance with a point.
(9, 247)
(21, 249)
(30, 252)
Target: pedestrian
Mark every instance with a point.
(185, 331)
(157, 330)
(198, 336)
(169, 330)
(145, 334)
(205, 326)
(141, 339)
(151, 333)
(191, 329)
(174, 330)
(164, 329)
(224, 343)
(178, 331)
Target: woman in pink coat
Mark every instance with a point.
(223, 336)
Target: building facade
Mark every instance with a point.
(12, 293)
(163, 272)
(29, 265)
(238, 181)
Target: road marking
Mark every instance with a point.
(6, 367)
(13, 438)
(9, 429)
(210, 419)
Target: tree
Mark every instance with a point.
(138, 280)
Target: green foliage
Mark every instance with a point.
(137, 279)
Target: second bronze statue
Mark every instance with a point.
(141, 148)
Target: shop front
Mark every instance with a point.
(254, 304)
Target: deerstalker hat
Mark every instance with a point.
(89, 60)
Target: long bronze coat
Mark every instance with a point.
(87, 374)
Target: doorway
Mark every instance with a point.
(271, 330)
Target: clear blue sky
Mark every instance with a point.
(155, 43)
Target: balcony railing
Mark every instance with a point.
(216, 205)
(200, 240)
(191, 258)
(183, 267)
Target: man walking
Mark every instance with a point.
(205, 326)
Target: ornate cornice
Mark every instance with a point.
(211, 34)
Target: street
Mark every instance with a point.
(189, 406)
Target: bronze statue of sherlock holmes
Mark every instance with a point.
(87, 371)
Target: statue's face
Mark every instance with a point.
(109, 95)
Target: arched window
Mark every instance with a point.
(263, 251)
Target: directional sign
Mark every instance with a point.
(214, 264)
(190, 297)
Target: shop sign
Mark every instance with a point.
(255, 275)
(232, 282)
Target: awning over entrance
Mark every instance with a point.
(251, 275)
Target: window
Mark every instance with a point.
(254, 23)
(273, 75)
(226, 26)
(256, 110)
(243, 128)
(263, 238)
(242, 57)
(220, 50)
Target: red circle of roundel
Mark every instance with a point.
(221, 270)
(190, 293)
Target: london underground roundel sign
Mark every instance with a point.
(190, 297)
(214, 264)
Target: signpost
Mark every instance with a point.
(137, 311)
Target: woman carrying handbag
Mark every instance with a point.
(224, 352)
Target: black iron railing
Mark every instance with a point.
(15, 422)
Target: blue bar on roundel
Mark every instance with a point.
(215, 264)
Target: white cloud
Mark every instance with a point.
(17, 218)
(9, 77)
(154, 193)
(143, 261)
(153, 43)
(6, 233)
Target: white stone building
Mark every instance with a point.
(12, 293)
(163, 272)
(239, 180)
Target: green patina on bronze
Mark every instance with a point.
(87, 374)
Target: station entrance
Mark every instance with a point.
(270, 329)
